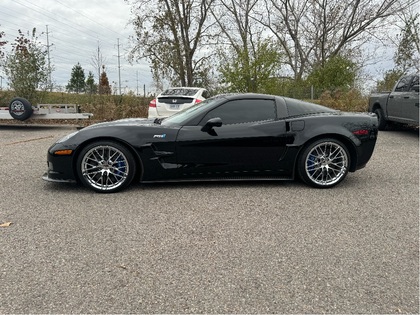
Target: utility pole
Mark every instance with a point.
(99, 64)
(119, 66)
(49, 62)
(137, 73)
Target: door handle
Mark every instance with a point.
(391, 96)
(406, 97)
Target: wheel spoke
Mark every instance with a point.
(105, 167)
(326, 163)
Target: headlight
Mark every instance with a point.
(65, 138)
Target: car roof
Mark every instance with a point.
(287, 107)
(248, 95)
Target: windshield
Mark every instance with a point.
(180, 91)
(180, 118)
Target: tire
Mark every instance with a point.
(324, 163)
(382, 123)
(20, 108)
(106, 166)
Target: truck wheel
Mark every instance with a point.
(20, 108)
(381, 119)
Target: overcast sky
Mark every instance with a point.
(75, 29)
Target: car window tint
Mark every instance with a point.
(403, 84)
(206, 94)
(242, 111)
(415, 81)
(180, 91)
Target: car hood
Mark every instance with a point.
(123, 122)
(135, 131)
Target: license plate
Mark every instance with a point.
(174, 106)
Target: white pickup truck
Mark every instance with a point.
(401, 105)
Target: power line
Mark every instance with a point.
(81, 13)
(68, 41)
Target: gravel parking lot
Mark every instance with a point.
(251, 247)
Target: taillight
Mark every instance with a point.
(361, 132)
(152, 103)
(197, 101)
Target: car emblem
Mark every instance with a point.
(174, 101)
(160, 136)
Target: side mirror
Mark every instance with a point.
(415, 88)
(211, 123)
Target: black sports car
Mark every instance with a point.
(227, 137)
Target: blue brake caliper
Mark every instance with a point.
(310, 164)
(121, 167)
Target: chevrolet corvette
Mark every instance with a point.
(226, 137)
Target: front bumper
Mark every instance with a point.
(60, 168)
(49, 177)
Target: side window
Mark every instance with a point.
(206, 94)
(402, 85)
(414, 82)
(243, 111)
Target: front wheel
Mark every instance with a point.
(106, 166)
(324, 163)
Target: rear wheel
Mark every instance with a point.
(382, 123)
(324, 163)
(106, 166)
(20, 108)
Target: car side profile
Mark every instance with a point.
(174, 100)
(227, 137)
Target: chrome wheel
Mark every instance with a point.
(106, 167)
(325, 163)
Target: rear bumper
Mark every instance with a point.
(365, 149)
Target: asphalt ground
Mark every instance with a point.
(248, 247)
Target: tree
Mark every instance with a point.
(169, 34)
(77, 80)
(98, 60)
(104, 87)
(2, 43)
(337, 73)
(252, 71)
(247, 59)
(91, 87)
(390, 78)
(407, 56)
(26, 66)
(313, 31)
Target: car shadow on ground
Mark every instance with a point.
(407, 129)
(73, 188)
